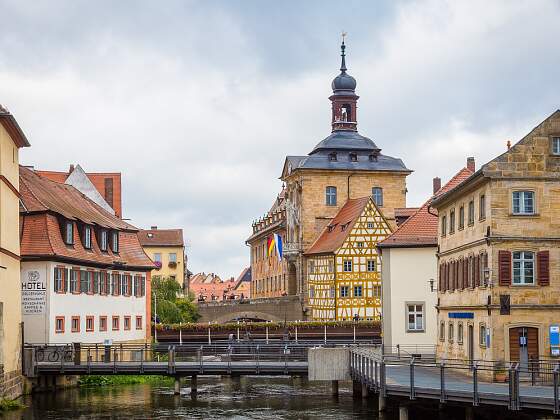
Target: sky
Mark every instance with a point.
(198, 103)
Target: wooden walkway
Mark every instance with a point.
(436, 382)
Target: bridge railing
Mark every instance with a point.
(369, 365)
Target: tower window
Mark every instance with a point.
(353, 157)
(332, 157)
(373, 158)
(330, 196)
(377, 194)
(346, 113)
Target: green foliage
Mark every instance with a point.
(7, 405)
(171, 308)
(101, 380)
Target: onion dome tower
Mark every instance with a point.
(344, 97)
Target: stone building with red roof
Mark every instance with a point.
(409, 274)
(85, 276)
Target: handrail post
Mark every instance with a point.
(88, 360)
(325, 333)
(142, 356)
(511, 389)
(258, 357)
(555, 381)
(475, 384)
(517, 402)
(383, 379)
(442, 396)
(412, 396)
(229, 359)
(375, 380)
(201, 358)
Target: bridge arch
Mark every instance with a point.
(246, 315)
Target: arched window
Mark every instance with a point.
(353, 157)
(377, 195)
(332, 157)
(330, 196)
(346, 113)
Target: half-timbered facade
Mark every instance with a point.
(499, 258)
(344, 266)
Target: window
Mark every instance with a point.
(138, 322)
(482, 335)
(115, 323)
(556, 145)
(347, 266)
(443, 225)
(74, 281)
(104, 285)
(115, 242)
(331, 196)
(86, 282)
(461, 217)
(173, 257)
(442, 331)
(377, 195)
(59, 280)
(523, 267)
(331, 266)
(102, 323)
(311, 291)
(482, 207)
(87, 237)
(452, 222)
(69, 233)
(59, 324)
(471, 212)
(332, 157)
(89, 323)
(311, 267)
(370, 225)
(353, 157)
(373, 158)
(75, 324)
(343, 291)
(332, 292)
(104, 240)
(125, 291)
(460, 333)
(360, 244)
(415, 316)
(523, 202)
(371, 265)
(451, 333)
(358, 291)
(127, 322)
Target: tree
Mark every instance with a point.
(172, 309)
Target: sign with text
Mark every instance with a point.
(33, 293)
(554, 331)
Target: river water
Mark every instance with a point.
(244, 398)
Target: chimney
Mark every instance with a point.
(436, 184)
(153, 227)
(508, 144)
(71, 168)
(470, 164)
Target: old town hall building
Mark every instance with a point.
(345, 165)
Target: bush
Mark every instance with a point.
(7, 405)
(102, 380)
(172, 309)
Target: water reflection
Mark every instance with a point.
(239, 398)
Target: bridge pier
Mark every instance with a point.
(356, 389)
(403, 412)
(382, 403)
(364, 390)
(177, 388)
(469, 413)
(194, 384)
(334, 388)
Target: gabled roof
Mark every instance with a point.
(161, 237)
(421, 229)
(41, 195)
(334, 235)
(79, 179)
(13, 128)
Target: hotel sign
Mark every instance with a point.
(33, 293)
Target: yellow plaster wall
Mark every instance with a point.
(165, 270)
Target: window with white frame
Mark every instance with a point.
(482, 207)
(443, 225)
(87, 237)
(69, 233)
(415, 316)
(371, 265)
(332, 292)
(115, 242)
(311, 291)
(377, 195)
(343, 291)
(471, 212)
(347, 266)
(556, 145)
(482, 335)
(74, 281)
(460, 333)
(452, 221)
(172, 257)
(358, 291)
(104, 240)
(442, 331)
(330, 196)
(59, 280)
(523, 267)
(360, 244)
(450, 334)
(523, 202)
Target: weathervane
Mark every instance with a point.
(343, 36)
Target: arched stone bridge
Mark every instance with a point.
(288, 308)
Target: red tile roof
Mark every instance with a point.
(161, 237)
(45, 201)
(405, 211)
(333, 235)
(98, 181)
(421, 228)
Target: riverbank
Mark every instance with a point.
(113, 380)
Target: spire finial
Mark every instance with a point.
(343, 54)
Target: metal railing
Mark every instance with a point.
(369, 366)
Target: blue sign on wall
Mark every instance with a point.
(554, 332)
(461, 315)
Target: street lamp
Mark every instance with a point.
(155, 315)
(487, 278)
(431, 281)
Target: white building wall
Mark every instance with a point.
(40, 327)
(406, 275)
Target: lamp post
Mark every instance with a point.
(155, 315)
(431, 281)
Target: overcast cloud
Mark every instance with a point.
(197, 103)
